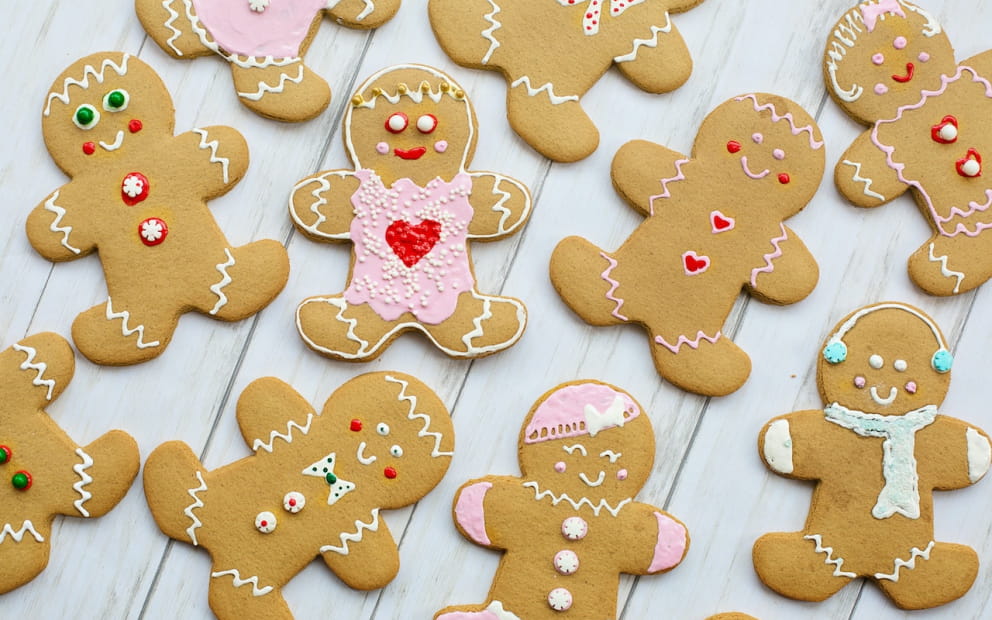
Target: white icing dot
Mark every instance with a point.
(382, 428)
(397, 122)
(972, 168)
(294, 502)
(427, 123)
(900, 365)
(876, 361)
(265, 522)
(949, 132)
(396, 451)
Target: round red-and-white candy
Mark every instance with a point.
(294, 502)
(134, 188)
(153, 231)
(265, 522)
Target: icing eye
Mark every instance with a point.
(758, 138)
(86, 117)
(22, 480)
(265, 522)
(427, 123)
(397, 123)
(116, 100)
(946, 131)
(733, 146)
(876, 361)
(878, 59)
(835, 352)
(356, 425)
(396, 451)
(942, 361)
(900, 43)
(382, 429)
(900, 365)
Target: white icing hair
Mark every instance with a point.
(97, 73)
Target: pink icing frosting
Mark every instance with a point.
(429, 289)
(871, 12)
(563, 414)
(671, 544)
(469, 511)
(278, 31)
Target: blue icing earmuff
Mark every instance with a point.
(835, 352)
(942, 361)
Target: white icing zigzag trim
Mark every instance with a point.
(17, 535)
(504, 196)
(488, 32)
(54, 226)
(369, 7)
(39, 368)
(946, 271)
(652, 42)
(88, 70)
(319, 201)
(829, 551)
(857, 178)
(692, 343)
(546, 87)
(264, 88)
(413, 415)
(557, 499)
(217, 289)
(287, 436)
(170, 24)
(84, 479)
(214, 158)
(346, 537)
(126, 331)
(911, 564)
(238, 581)
(197, 503)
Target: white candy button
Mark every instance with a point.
(560, 599)
(574, 528)
(566, 562)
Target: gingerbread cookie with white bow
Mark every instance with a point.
(877, 451)
(263, 40)
(569, 525)
(44, 472)
(315, 486)
(410, 210)
(138, 196)
(891, 66)
(714, 225)
(552, 52)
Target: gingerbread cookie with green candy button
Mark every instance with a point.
(138, 196)
(891, 66)
(44, 473)
(877, 452)
(314, 487)
(569, 525)
(410, 209)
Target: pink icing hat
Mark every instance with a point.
(580, 409)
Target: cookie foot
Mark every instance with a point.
(789, 564)
(496, 324)
(117, 334)
(708, 364)
(175, 490)
(583, 276)
(24, 560)
(105, 471)
(494, 611)
(552, 122)
(936, 269)
(930, 577)
(336, 329)
(287, 92)
(235, 595)
(169, 24)
(247, 280)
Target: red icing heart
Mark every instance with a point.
(412, 242)
(721, 223)
(694, 263)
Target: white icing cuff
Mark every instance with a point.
(979, 455)
(778, 447)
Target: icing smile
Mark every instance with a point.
(599, 481)
(414, 153)
(752, 175)
(368, 460)
(117, 143)
(883, 401)
(910, 71)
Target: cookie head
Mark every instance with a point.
(882, 54)
(588, 439)
(411, 122)
(104, 106)
(887, 359)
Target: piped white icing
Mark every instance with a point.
(651, 42)
(17, 535)
(213, 146)
(319, 201)
(54, 226)
(946, 271)
(98, 74)
(413, 414)
(197, 503)
(979, 455)
(126, 331)
(39, 368)
(287, 436)
(910, 564)
(356, 536)
(265, 88)
(778, 447)
(84, 479)
(547, 87)
(488, 33)
(576, 504)
(829, 552)
(238, 581)
(218, 289)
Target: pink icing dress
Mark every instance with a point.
(278, 31)
(410, 247)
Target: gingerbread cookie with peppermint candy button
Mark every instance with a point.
(43, 472)
(891, 66)
(410, 209)
(714, 226)
(138, 196)
(569, 525)
(263, 40)
(553, 51)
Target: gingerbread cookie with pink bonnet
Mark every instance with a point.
(569, 525)
(714, 225)
(410, 209)
(263, 40)
(891, 66)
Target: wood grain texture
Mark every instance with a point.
(707, 471)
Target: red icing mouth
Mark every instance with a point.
(910, 71)
(414, 153)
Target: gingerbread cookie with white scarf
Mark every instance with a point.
(313, 488)
(263, 40)
(569, 525)
(877, 452)
(45, 472)
(552, 52)
(410, 209)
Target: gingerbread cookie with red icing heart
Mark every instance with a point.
(263, 40)
(579, 41)
(314, 487)
(138, 196)
(877, 451)
(44, 472)
(410, 209)
(714, 226)
(891, 66)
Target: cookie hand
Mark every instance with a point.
(864, 177)
(269, 409)
(365, 557)
(321, 205)
(501, 206)
(363, 14)
(215, 157)
(642, 173)
(58, 227)
(789, 272)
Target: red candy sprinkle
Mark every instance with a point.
(89, 148)
(356, 425)
(412, 242)
(784, 179)
(5, 454)
(135, 125)
(389, 472)
(734, 146)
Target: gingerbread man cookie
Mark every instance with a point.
(263, 40)
(877, 452)
(138, 197)
(569, 525)
(714, 226)
(314, 487)
(45, 472)
(889, 64)
(410, 208)
(552, 52)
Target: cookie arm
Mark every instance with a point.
(981, 63)
(657, 60)
(321, 205)
(645, 174)
(362, 14)
(864, 177)
(213, 159)
(102, 473)
(502, 205)
(365, 556)
(961, 454)
(654, 541)
(35, 370)
(788, 445)
(788, 273)
(480, 504)
(58, 227)
(270, 414)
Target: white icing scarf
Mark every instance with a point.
(901, 492)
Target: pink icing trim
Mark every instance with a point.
(693, 344)
(973, 207)
(563, 414)
(768, 267)
(613, 286)
(470, 514)
(671, 544)
(277, 32)
(747, 171)
(679, 176)
(871, 12)
(776, 117)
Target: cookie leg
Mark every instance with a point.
(947, 265)
(704, 363)
(236, 596)
(175, 490)
(468, 30)
(168, 23)
(922, 580)
(789, 564)
(339, 330)
(494, 611)
(119, 333)
(286, 90)
(246, 280)
(23, 560)
(658, 69)
(488, 324)
(550, 119)
(103, 474)
(583, 276)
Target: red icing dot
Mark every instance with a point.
(412, 242)
(356, 425)
(89, 148)
(784, 179)
(389, 472)
(135, 126)
(264, 523)
(734, 146)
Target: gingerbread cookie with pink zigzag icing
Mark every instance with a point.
(714, 225)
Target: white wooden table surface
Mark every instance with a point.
(707, 469)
